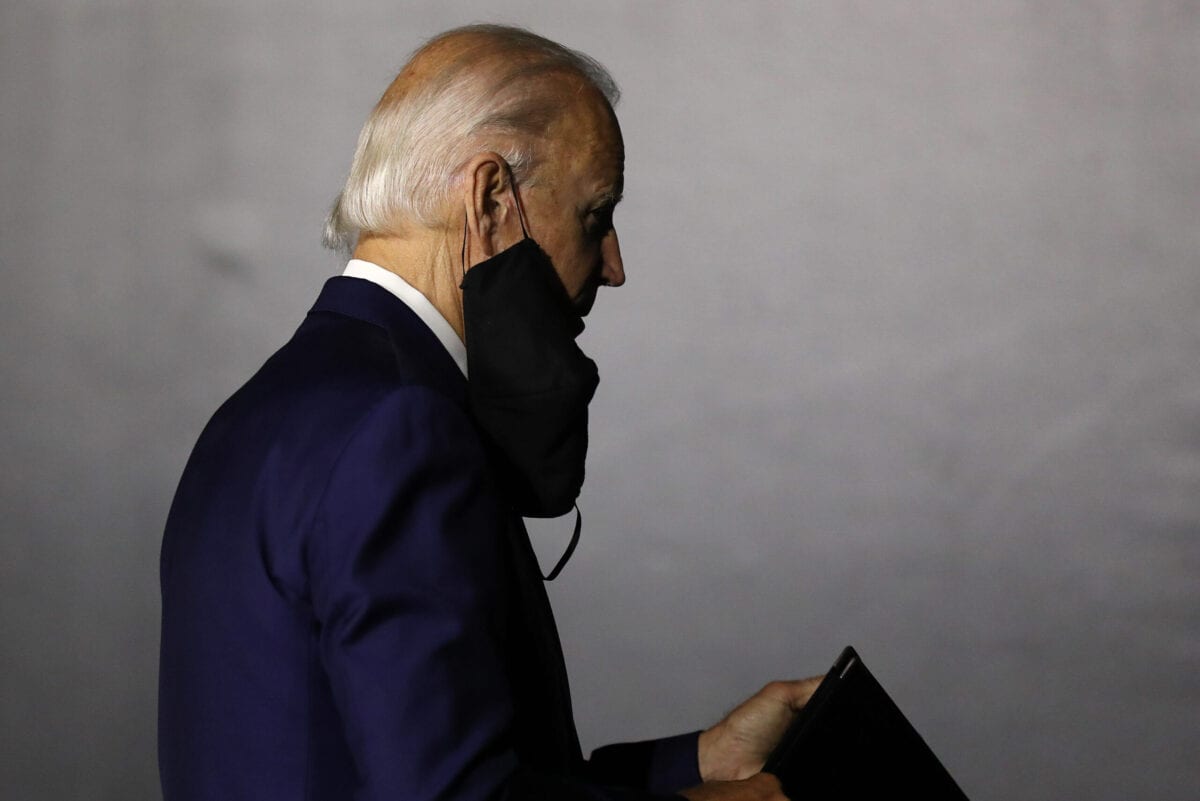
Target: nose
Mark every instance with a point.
(612, 269)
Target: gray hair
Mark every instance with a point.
(486, 98)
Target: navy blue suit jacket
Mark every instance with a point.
(349, 608)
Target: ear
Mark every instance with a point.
(492, 221)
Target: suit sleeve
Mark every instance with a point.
(663, 765)
(658, 766)
(404, 559)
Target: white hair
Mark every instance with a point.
(489, 96)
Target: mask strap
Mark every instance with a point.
(520, 206)
(562, 562)
(463, 255)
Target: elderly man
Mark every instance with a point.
(351, 608)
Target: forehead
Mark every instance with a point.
(585, 144)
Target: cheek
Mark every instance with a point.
(574, 259)
(561, 256)
(585, 261)
(572, 271)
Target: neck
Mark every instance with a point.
(426, 263)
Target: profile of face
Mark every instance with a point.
(569, 207)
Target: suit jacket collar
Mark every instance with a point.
(415, 345)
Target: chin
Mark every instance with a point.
(583, 303)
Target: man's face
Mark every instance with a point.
(569, 208)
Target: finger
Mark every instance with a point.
(794, 693)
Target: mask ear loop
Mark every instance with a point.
(520, 206)
(463, 255)
(566, 557)
(562, 562)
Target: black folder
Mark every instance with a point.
(851, 741)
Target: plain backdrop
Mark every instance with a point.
(908, 357)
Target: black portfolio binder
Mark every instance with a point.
(851, 741)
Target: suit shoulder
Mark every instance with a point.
(287, 426)
(333, 368)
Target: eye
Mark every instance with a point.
(599, 221)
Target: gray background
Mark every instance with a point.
(909, 357)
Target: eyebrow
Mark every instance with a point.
(609, 198)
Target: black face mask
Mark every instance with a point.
(529, 384)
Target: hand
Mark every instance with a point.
(761, 787)
(738, 746)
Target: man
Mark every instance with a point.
(351, 608)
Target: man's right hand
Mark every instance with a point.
(759, 787)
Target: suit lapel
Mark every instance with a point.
(549, 723)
